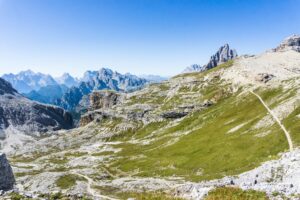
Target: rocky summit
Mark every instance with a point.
(223, 55)
(7, 179)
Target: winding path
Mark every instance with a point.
(288, 137)
(90, 190)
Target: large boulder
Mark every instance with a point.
(7, 179)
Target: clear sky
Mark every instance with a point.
(137, 36)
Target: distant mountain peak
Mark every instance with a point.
(67, 80)
(26, 81)
(193, 68)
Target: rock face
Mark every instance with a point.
(6, 88)
(29, 116)
(104, 99)
(223, 55)
(7, 179)
(290, 43)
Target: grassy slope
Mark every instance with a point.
(208, 151)
(230, 193)
(198, 147)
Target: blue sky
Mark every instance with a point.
(137, 36)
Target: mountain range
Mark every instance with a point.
(230, 131)
(104, 79)
(67, 91)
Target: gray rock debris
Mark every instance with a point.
(7, 179)
(264, 77)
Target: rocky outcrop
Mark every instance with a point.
(104, 99)
(264, 77)
(7, 179)
(99, 101)
(29, 116)
(223, 55)
(6, 88)
(97, 116)
(290, 43)
(173, 115)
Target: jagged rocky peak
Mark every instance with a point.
(67, 79)
(290, 43)
(7, 179)
(224, 54)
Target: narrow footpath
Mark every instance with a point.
(288, 137)
(90, 190)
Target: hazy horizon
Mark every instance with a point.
(139, 37)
